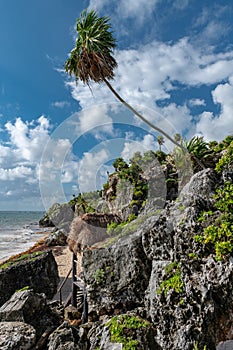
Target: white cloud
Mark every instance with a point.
(147, 143)
(139, 10)
(25, 162)
(141, 73)
(15, 173)
(60, 104)
(89, 167)
(28, 140)
(95, 117)
(150, 73)
(196, 102)
(217, 127)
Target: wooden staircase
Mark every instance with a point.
(77, 296)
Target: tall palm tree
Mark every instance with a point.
(91, 58)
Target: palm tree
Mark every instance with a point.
(91, 59)
(160, 140)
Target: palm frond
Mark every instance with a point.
(92, 59)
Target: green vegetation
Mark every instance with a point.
(115, 229)
(133, 174)
(26, 256)
(173, 279)
(99, 276)
(23, 289)
(219, 234)
(122, 330)
(196, 347)
(160, 140)
(86, 202)
(217, 224)
(129, 226)
(227, 159)
(198, 147)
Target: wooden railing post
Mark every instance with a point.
(85, 306)
(74, 279)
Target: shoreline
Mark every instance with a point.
(62, 255)
(30, 249)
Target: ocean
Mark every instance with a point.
(19, 231)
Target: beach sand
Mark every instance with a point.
(63, 257)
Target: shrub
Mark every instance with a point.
(219, 234)
(173, 279)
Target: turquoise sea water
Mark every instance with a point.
(18, 231)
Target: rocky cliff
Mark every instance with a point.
(162, 274)
(163, 277)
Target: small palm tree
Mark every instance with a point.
(92, 60)
(198, 147)
(160, 140)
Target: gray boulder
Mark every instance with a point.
(31, 308)
(38, 271)
(57, 237)
(59, 215)
(64, 338)
(16, 336)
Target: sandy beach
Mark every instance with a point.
(63, 257)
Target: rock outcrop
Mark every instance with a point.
(130, 273)
(59, 216)
(89, 229)
(31, 308)
(124, 268)
(152, 286)
(37, 271)
(16, 336)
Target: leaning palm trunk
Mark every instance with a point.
(92, 60)
(141, 117)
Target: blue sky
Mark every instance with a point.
(175, 64)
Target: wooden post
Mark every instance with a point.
(74, 279)
(85, 305)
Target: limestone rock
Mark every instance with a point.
(226, 345)
(137, 331)
(16, 336)
(39, 272)
(64, 338)
(57, 237)
(59, 215)
(29, 307)
(116, 277)
(88, 229)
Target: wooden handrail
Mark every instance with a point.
(62, 284)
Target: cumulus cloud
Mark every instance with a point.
(60, 104)
(14, 173)
(149, 74)
(89, 167)
(25, 161)
(28, 140)
(216, 127)
(138, 10)
(95, 117)
(147, 143)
